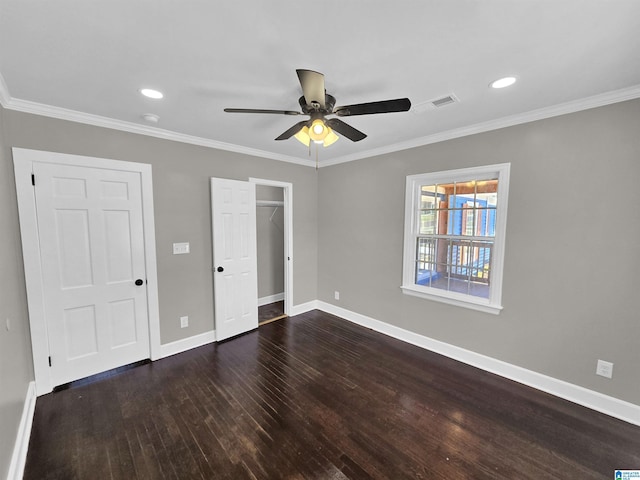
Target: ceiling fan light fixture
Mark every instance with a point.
(331, 138)
(318, 131)
(303, 136)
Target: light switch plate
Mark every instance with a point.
(180, 248)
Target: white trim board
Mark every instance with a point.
(19, 456)
(278, 297)
(573, 106)
(60, 113)
(304, 308)
(566, 108)
(287, 201)
(184, 344)
(5, 98)
(599, 402)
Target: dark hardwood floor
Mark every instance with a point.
(316, 397)
(271, 311)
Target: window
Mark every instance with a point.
(455, 224)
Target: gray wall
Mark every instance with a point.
(182, 213)
(270, 237)
(574, 191)
(181, 175)
(570, 291)
(16, 368)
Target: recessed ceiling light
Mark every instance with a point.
(149, 92)
(151, 117)
(503, 82)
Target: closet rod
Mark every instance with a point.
(269, 203)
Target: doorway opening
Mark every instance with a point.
(273, 232)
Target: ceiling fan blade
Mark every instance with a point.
(292, 131)
(347, 130)
(385, 106)
(312, 84)
(257, 110)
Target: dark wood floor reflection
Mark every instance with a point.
(270, 312)
(315, 397)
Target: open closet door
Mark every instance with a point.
(235, 285)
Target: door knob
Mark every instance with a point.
(220, 269)
(139, 282)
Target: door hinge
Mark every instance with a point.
(49, 361)
(33, 179)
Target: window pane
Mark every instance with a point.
(428, 222)
(428, 214)
(487, 189)
(427, 196)
(425, 264)
(441, 278)
(485, 222)
(458, 255)
(479, 290)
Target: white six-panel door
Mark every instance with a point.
(233, 205)
(92, 253)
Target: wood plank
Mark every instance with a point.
(314, 396)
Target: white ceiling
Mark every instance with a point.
(86, 60)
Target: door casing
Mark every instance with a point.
(287, 189)
(23, 160)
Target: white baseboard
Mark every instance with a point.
(19, 457)
(304, 308)
(611, 406)
(179, 346)
(278, 297)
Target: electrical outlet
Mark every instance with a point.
(184, 322)
(604, 369)
(336, 295)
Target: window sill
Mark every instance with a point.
(458, 300)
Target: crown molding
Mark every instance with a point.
(35, 108)
(5, 97)
(573, 106)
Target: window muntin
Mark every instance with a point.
(454, 229)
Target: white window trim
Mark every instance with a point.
(494, 303)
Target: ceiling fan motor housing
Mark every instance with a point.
(329, 102)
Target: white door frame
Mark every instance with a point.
(288, 237)
(22, 161)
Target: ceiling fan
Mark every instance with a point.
(318, 104)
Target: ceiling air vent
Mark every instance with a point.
(435, 103)
(441, 102)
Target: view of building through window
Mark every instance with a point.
(456, 235)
